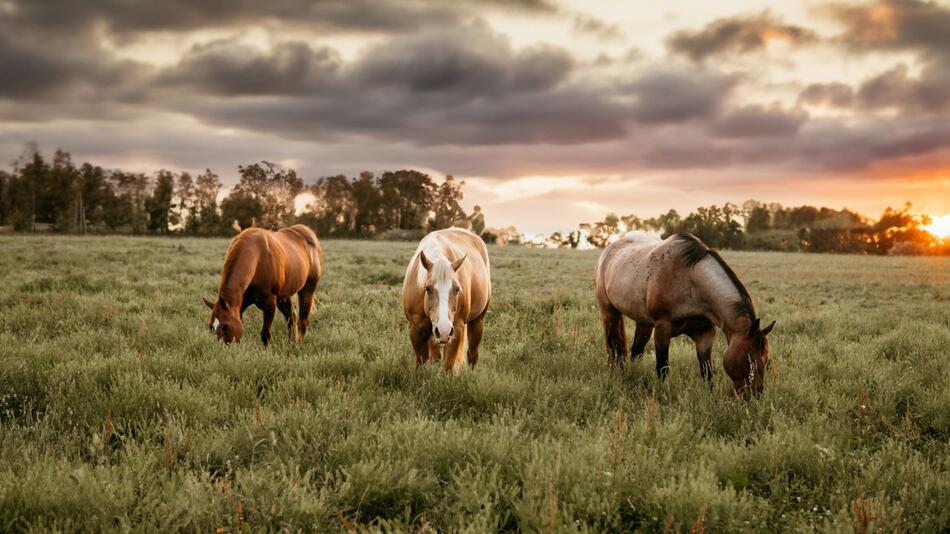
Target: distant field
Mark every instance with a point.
(118, 409)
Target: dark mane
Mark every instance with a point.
(693, 250)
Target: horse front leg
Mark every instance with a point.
(640, 339)
(704, 343)
(662, 334)
(454, 348)
(287, 310)
(419, 336)
(269, 307)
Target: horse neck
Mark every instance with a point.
(721, 296)
(239, 270)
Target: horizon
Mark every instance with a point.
(552, 113)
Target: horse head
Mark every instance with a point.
(442, 294)
(225, 322)
(746, 358)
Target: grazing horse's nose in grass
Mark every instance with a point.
(443, 332)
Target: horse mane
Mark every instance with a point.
(231, 258)
(693, 250)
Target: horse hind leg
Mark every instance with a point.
(615, 334)
(305, 301)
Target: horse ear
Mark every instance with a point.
(426, 264)
(207, 303)
(754, 328)
(458, 263)
(767, 329)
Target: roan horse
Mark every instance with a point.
(680, 286)
(266, 269)
(445, 295)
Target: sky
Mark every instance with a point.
(553, 112)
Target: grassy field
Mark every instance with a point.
(118, 410)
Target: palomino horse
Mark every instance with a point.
(445, 295)
(679, 286)
(266, 269)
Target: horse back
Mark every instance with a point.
(627, 272)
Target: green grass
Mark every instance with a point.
(119, 411)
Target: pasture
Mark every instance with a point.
(119, 410)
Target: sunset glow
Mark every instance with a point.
(939, 226)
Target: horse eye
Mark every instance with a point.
(455, 290)
(429, 290)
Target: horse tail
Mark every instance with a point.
(615, 334)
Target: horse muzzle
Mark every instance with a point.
(443, 332)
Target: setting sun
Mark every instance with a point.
(940, 226)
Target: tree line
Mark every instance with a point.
(56, 194)
(759, 226)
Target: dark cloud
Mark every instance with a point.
(896, 89)
(674, 95)
(124, 18)
(225, 67)
(31, 73)
(837, 95)
(757, 121)
(893, 89)
(467, 85)
(467, 62)
(741, 35)
(895, 25)
(443, 90)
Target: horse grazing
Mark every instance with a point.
(445, 295)
(680, 286)
(266, 269)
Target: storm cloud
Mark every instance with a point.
(474, 88)
(740, 35)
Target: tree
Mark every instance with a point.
(446, 207)
(408, 198)
(666, 224)
(333, 206)
(159, 203)
(6, 197)
(129, 209)
(243, 207)
(34, 176)
(203, 218)
(367, 204)
(601, 232)
(716, 226)
(275, 190)
(185, 199)
(95, 196)
(60, 198)
(757, 216)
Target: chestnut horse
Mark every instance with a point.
(445, 296)
(680, 286)
(266, 269)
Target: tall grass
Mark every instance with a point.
(119, 411)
